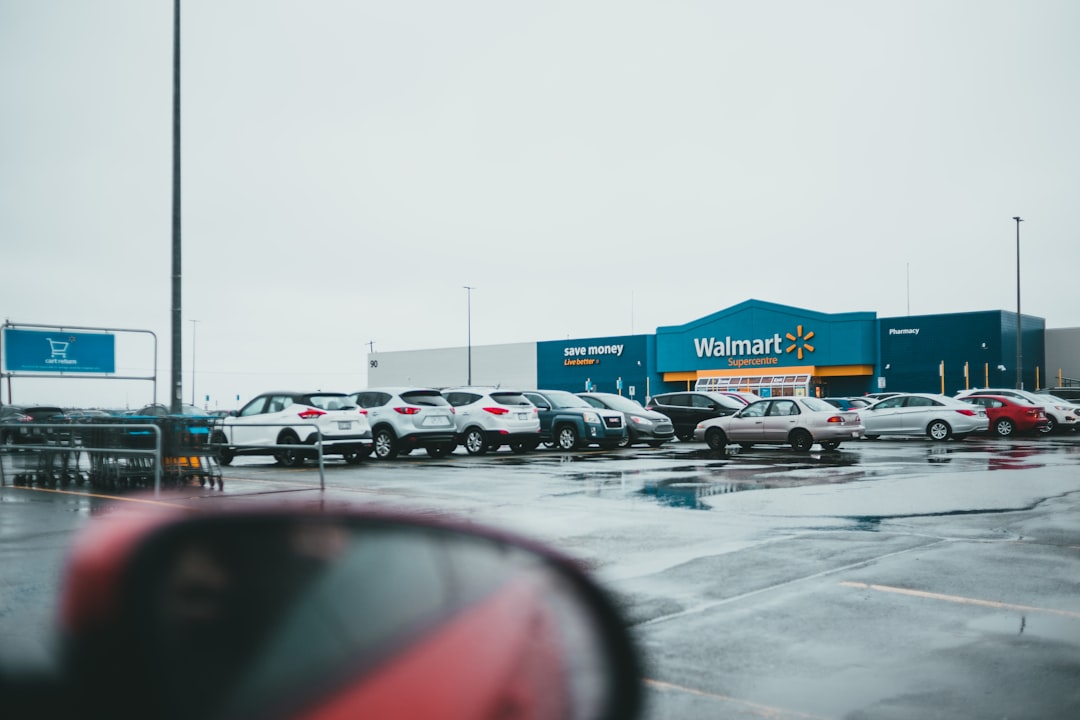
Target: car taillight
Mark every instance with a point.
(362, 411)
(496, 410)
(836, 419)
(407, 410)
(311, 414)
(964, 411)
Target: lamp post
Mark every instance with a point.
(468, 295)
(1019, 343)
(193, 322)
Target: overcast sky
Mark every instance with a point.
(592, 168)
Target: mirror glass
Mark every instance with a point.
(275, 616)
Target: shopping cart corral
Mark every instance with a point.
(116, 454)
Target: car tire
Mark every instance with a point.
(625, 442)
(830, 445)
(521, 446)
(801, 440)
(566, 438)
(1051, 424)
(474, 441)
(939, 430)
(685, 436)
(655, 443)
(224, 455)
(440, 450)
(355, 457)
(289, 457)
(385, 444)
(716, 440)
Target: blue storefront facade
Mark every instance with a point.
(774, 349)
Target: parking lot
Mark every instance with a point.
(892, 578)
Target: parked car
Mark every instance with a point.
(17, 423)
(688, 408)
(936, 416)
(642, 426)
(849, 403)
(405, 418)
(743, 397)
(796, 421)
(1068, 394)
(568, 422)
(874, 397)
(159, 410)
(86, 415)
(1060, 414)
(275, 419)
(488, 418)
(1009, 416)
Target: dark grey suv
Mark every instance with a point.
(687, 409)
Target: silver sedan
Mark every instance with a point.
(936, 416)
(796, 421)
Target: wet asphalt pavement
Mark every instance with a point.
(890, 579)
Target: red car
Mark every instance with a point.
(1009, 416)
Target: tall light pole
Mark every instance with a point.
(176, 383)
(193, 322)
(1019, 343)
(468, 295)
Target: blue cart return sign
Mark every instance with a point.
(59, 351)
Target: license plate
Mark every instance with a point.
(523, 416)
(436, 421)
(344, 424)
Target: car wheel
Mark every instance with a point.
(655, 443)
(224, 455)
(475, 442)
(625, 442)
(939, 430)
(385, 444)
(567, 438)
(1051, 425)
(801, 440)
(519, 446)
(441, 450)
(685, 436)
(830, 445)
(289, 457)
(355, 457)
(716, 439)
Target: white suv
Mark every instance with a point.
(276, 419)
(1060, 415)
(405, 418)
(488, 418)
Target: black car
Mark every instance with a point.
(17, 423)
(642, 426)
(687, 409)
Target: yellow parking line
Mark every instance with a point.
(143, 501)
(766, 711)
(958, 599)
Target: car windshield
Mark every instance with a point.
(425, 397)
(563, 399)
(622, 404)
(818, 404)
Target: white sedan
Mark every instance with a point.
(796, 421)
(936, 416)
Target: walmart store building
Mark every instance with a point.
(763, 347)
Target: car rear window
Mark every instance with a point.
(425, 397)
(510, 398)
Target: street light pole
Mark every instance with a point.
(468, 295)
(193, 322)
(1019, 329)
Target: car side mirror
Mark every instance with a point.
(290, 613)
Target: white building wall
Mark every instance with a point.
(510, 366)
(1062, 354)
